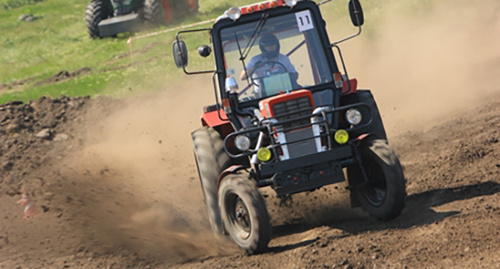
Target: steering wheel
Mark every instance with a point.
(254, 79)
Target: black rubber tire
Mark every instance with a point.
(244, 213)
(211, 160)
(96, 11)
(383, 196)
(154, 12)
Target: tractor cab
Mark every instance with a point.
(303, 55)
(300, 59)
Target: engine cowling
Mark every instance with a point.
(293, 130)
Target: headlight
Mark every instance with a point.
(353, 116)
(291, 3)
(242, 142)
(234, 13)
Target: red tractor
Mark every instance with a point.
(287, 116)
(110, 17)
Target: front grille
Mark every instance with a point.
(294, 131)
(292, 109)
(300, 143)
(290, 140)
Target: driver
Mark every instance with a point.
(269, 62)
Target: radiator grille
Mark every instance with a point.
(292, 109)
(296, 135)
(298, 147)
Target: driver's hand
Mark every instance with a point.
(257, 65)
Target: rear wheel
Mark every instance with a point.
(383, 194)
(244, 213)
(157, 11)
(211, 160)
(95, 12)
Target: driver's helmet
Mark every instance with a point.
(269, 40)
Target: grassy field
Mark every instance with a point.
(34, 52)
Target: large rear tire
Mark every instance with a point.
(244, 213)
(154, 11)
(383, 195)
(211, 160)
(96, 11)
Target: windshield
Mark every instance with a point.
(274, 55)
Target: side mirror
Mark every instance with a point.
(204, 51)
(356, 13)
(180, 53)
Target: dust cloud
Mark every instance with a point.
(427, 60)
(138, 178)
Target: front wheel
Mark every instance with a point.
(211, 160)
(244, 213)
(95, 12)
(383, 193)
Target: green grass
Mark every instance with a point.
(36, 51)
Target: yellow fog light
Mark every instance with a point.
(264, 154)
(341, 136)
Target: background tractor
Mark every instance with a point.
(110, 17)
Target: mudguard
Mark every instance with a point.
(365, 96)
(230, 170)
(212, 119)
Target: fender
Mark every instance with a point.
(362, 139)
(212, 119)
(365, 96)
(233, 169)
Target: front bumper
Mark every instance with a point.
(120, 24)
(308, 172)
(305, 154)
(342, 155)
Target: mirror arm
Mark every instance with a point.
(343, 63)
(347, 38)
(323, 2)
(184, 67)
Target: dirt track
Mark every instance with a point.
(98, 212)
(115, 184)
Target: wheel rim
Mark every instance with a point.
(376, 189)
(238, 215)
